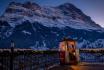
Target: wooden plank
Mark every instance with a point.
(79, 67)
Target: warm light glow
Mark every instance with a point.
(62, 46)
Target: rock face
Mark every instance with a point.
(41, 28)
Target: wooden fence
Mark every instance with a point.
(28, 60)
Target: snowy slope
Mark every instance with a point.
(40, 28)
(61, 16)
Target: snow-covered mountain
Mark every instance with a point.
(31, 25)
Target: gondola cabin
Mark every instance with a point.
(67, 49)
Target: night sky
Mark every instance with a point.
(92, 8)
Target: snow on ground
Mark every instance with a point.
(37, 47)
(26, 32)
(99, 43)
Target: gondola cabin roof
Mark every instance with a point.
(68, 39)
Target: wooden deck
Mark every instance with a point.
(79, 67)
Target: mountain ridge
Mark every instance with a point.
(31, 25)
(20, 10)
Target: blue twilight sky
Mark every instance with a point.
(92, 8)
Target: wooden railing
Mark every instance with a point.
(28, 59)
(92, 55)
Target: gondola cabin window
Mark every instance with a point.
(67, 45)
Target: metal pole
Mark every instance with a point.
(2, 61)
(11, 55)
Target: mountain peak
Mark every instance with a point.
(62, 15)
(31, 5)
(68, 5)
(14, 3)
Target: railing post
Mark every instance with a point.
(78, 55)
(11, 55)
(2, 61)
